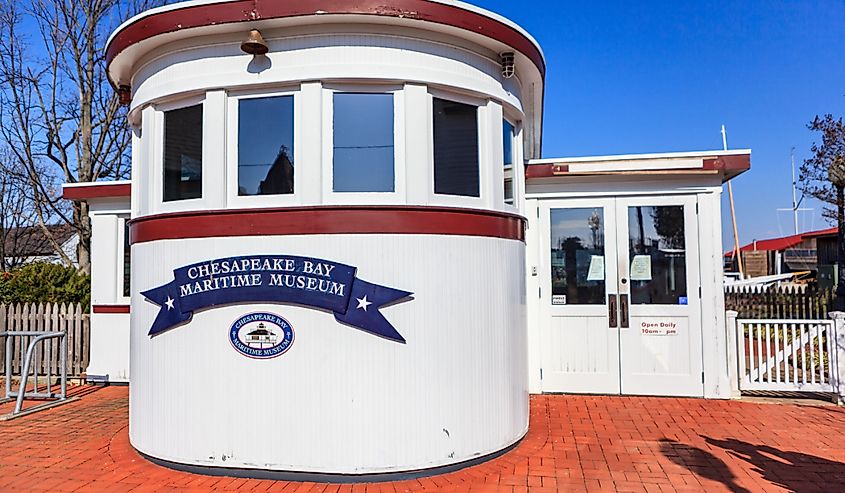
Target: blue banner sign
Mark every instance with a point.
(310, 282)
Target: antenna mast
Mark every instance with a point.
(795, 204)
(794, 200)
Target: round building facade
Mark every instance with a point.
(328, 247)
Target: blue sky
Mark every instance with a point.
(631, 77)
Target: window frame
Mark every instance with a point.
(157, 148)
(122, 245)
(232, 119)
(484, 200)
(517, 162)
(398, 195)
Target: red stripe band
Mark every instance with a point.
(110, 309)
(328, 220)
(253, 10)
(97, 190)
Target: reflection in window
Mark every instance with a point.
(363, 143)
(265, 146)
(507, 149)
(577, 256)
(455, 148)
(658, 255)
(127, 257)
(183, 153)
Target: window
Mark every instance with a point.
(577, 256)
(657, 250)
(127, 257)
(456, 167)
(363, 145)
(183, 153)
(265, 146)
(507, 149)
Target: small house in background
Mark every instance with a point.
(826, 246)
(795, 253)
(29, 244)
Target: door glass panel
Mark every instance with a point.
(577, 256)
(657, 252)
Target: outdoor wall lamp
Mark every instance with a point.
(507, 61)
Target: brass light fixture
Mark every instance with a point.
(254, 44)
(124, 95)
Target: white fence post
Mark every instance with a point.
(837, 356)
(733, 352)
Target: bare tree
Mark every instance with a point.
(823, 177)
(20, 234)
(60, 117)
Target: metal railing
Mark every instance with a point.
(27, 358)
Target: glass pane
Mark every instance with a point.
(455, 148)
(507, 138)
(265, 146)
(127, 257)
(363, 143)
(183, 153)
(507, 149)
(658, 255)
(577, 256)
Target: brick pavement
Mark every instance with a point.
(575, 443)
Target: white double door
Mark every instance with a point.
(621, 296)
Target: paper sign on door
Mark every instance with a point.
(641, 268)
(596, 272)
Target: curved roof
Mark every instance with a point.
(205, 13)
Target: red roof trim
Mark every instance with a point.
(254, 10)
(97, 191)
(730, 165)
(110, 308)
(733, 164)
(328, 220)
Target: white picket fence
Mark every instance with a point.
(787, 355)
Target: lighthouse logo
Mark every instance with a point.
(261, 335)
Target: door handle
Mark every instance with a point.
(623, 310)
(611, 310)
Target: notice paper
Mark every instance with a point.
(641, 268)
(596, 272)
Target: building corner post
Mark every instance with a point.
(837, 357)
(732, 354)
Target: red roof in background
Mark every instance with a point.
(777, 244)
(822, 232)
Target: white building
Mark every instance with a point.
(400, 146)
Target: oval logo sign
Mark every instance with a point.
(261, 335)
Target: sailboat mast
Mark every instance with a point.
(737, 252)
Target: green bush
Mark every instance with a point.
(42, 282)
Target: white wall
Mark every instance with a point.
(707, 190)
(340, 400)
(109, 331)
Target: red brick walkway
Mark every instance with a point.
(576, 443)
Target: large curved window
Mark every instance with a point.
(265, 146)
(363, 146)
(507, 150)
(183, 153)
(456, 168)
